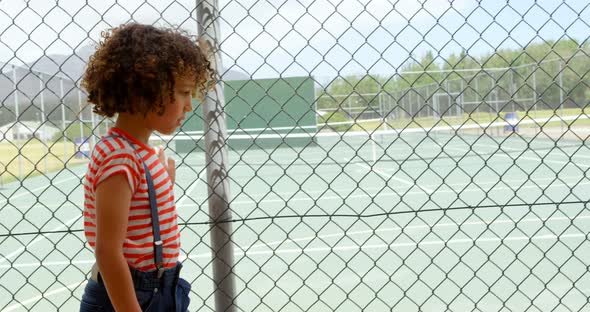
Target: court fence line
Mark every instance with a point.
(431, 177)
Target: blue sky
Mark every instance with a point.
(322, 37)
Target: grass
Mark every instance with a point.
(26, 158)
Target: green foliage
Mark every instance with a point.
(535, 75)
(335, 117)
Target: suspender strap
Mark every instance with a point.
(158, 250)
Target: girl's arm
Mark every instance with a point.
(113, 198)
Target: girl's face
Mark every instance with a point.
(174, 110)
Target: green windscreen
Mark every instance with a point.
(259, 107)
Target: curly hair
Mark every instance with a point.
(135, 66)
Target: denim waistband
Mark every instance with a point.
(149, 280)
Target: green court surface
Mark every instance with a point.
(457, 223)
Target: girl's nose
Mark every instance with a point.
(189, 106)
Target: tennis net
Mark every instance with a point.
(376, 140)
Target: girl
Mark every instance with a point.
(146, 76)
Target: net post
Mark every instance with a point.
(215, 132)
(535, 89)
(16, 123)
(496, 100)
(44, 138)
(81, 111)
(561, 94)
(63, 118)
(460, 100)
(92, 132)
(410, 103)
(477, 96)
(428, 96)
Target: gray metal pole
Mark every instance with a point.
(217, 164)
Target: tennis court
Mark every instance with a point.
(374, 162)
(450, 220)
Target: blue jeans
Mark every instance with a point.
(169, 293)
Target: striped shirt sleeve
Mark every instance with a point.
(114, 158)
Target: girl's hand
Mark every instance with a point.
(169, 163)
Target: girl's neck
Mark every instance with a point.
(134, 125)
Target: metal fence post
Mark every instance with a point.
(217, 162)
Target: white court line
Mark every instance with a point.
(191, 188)
(389, 176)
(332, 249)
(246, 249)
(36, 240)
(520, 150)
(353, 233)
(414, 227)
(29, 192)
(543, 160)
(41, 238)
(297, 160)
(329, 249)
(581, 156)
(322, 198)
(575, 155)
(408, 193)
(336, 190)
(20, 250)
(413, 244)
(47, 264)
(285, 194)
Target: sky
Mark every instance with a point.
(323, 38)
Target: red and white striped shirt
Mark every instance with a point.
(112, 156)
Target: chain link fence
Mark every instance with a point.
(383, 155)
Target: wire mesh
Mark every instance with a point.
(447, 167)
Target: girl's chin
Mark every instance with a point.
(166, 131)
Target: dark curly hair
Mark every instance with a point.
(141, 62)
